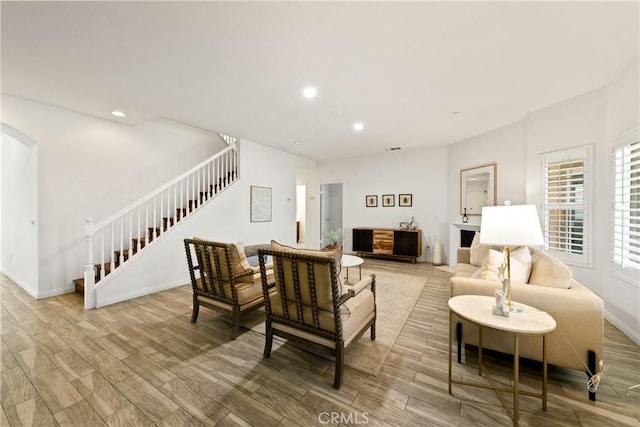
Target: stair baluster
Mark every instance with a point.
(191, 190)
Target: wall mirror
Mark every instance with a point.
(478, 188)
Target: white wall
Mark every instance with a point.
(226, 218)
(506, 148)
(593, 118)
(309, 178)
(19, 212)
(418, 172)
(622, 298)
(92, 167)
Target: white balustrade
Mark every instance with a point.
(177, 199)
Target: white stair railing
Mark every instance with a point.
(129, 231)
(230, 140)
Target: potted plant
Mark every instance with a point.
(333, 239)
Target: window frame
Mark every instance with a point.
(584, 153)
(629, 274)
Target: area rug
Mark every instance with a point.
(396, 294)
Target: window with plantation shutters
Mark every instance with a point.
(565, 209)
(626, 204)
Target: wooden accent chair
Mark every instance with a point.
(320, 311)
(223, 279)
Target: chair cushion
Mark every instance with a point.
(248, 292)
(321, 273)
(238, 261)
(549, 271)
(354, 313)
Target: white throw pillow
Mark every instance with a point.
(520, 265)
(549, 271)
(477, 252)
(489, 268)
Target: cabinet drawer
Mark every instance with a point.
(383, 242)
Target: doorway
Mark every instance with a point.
(330, 209)
(19, 209)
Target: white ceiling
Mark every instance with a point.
(239, 68)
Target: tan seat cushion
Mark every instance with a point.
(549, 271)
(248, 292)
(354, 313)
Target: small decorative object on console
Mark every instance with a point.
(465, 218)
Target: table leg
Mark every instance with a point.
(347, 279)
(480, 367)
(516, 376)
(450, 344)
(544, 372)
(360, 271)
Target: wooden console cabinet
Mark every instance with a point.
(388, 242)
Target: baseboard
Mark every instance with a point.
(23, 285)
(624, 328)
(56, 292)
(102, 302)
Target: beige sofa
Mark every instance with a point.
(576, 343)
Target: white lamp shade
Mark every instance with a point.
(516, 225)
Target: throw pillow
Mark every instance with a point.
(549, 271)
(477, 252)
(520, 265)
(489, 268)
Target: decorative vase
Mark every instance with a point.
(437, 252)
(413, 224)
(465, 218)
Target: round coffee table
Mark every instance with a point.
(348, 261)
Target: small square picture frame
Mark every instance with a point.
(371, 200)
(405, 200)
(388, 200)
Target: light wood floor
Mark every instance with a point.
(142, 362)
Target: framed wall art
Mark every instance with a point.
(405, 200)
(260, 204)
(371, 201)
(388, 200)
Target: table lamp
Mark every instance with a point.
(507, 226)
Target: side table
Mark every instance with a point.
(530, 321)
(351, 261)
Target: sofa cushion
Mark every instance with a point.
(478, 252)
(549, 271)
(465, 270)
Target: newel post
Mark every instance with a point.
(89, 272)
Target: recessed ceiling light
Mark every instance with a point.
(296, 142)
(118, 113)
(455, 113)
(394, 148)
(310, 92)
(358, 126)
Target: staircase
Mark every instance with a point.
(134, 229)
